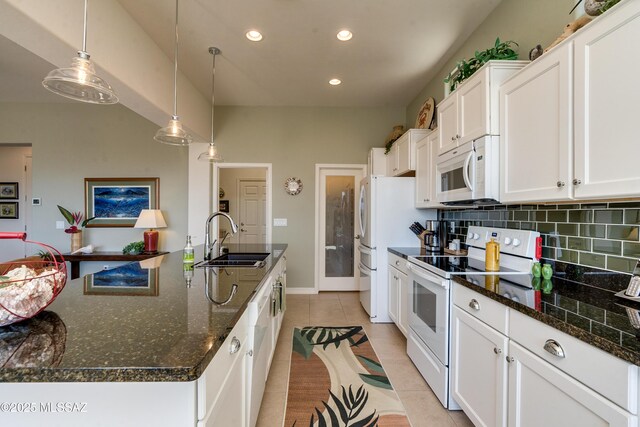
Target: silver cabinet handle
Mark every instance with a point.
(553, 347)
(497, 350)
(457, 136)
(474, 304)
(234, 346)
(453, 138)
(577, 181)
(397, 262)
(357, 237)
(250, 353)
(560, 184)
(509, 359)
(425, 200)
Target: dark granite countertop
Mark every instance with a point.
(589, 313)
(159, 329)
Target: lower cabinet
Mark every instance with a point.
(398, 288)
(479, 370)
(533, 374)
(541, 395)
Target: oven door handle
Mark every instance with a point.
(465, 170)
(364, 250)
(364, 270)
(432, 278)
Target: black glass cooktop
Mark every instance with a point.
(455, 265)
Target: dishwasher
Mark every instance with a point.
(260, 313)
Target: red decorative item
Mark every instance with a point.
(538, 247)
(48, 280)
(151, 241)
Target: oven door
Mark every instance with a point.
(455, 173)
(429, 314)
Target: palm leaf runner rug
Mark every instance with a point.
(337, 380)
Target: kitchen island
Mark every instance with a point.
(129, 346)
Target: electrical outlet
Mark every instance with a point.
(59, 225)
(36, 201)
(279, 222)
(105, 267)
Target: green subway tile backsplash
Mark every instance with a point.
(602, 235)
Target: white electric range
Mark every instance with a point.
(430, 285)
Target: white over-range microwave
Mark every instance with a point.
(470, 173)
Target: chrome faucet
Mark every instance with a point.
(208, 246)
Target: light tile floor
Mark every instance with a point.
(344, 309)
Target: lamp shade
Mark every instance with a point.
(150, 218)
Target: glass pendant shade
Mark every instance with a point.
(80, 82)
(211, 155)
(173, 134)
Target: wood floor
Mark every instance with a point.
(344, 309)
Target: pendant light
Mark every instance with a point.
(80, 82)
(212, 155)
(173, 133)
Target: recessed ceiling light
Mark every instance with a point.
(344, 35)
(254, 35)
(335, 82)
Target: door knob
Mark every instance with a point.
(560, 184)
(577, 181)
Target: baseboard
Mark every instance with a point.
(306, 291)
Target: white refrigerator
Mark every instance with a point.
(385, 211)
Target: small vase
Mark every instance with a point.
(76, 241)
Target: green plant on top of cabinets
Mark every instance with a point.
(465, 68)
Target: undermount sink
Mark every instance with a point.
(240, 259)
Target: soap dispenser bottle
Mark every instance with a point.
(492, 256)
(188, 253)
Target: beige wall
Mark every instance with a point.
(528, 23)
(12, 164)
(73, 141)
(293, 140)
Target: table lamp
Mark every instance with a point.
(150, 218)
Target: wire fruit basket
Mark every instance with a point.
(28, 286)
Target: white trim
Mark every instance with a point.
(268, 178)
(319, 167)
(301, 291)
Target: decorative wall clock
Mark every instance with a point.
(293, 186)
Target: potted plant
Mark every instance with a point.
(466, 68)
(133, 248)
(76, 224)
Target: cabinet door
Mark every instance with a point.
(447, 124)
(478, 370)
(473, 108)
(392, 161)
(403, 303)
(541, 395)
(535, 130)
(607, 91)
(393, 293)
(423, 173)
(404, 156)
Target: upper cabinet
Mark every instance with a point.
(472, 110)
(401, 160)
(567, 121)
(426, 155)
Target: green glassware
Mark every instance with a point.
(547, 271)
(536, 269)
(547, 286)
(535, 283)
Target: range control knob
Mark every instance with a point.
(476, 236)
(516, 242)
(507, 240)
(470, 236)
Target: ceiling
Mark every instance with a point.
(398, 46)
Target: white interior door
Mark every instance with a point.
(338, 193)
(252, 218)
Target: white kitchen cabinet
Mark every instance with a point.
(568, 120)
(398, 288)
(542, 395)
(377, 162)
(223, 388)
(426, 179)
(472, 110)
(535, 130)
(479, 369)
(607, 90)
(401, 159)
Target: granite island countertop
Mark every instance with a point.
(133, 323)
(586, 312)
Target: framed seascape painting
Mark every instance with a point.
(117, 202)
(129, 279)
(8, 190)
